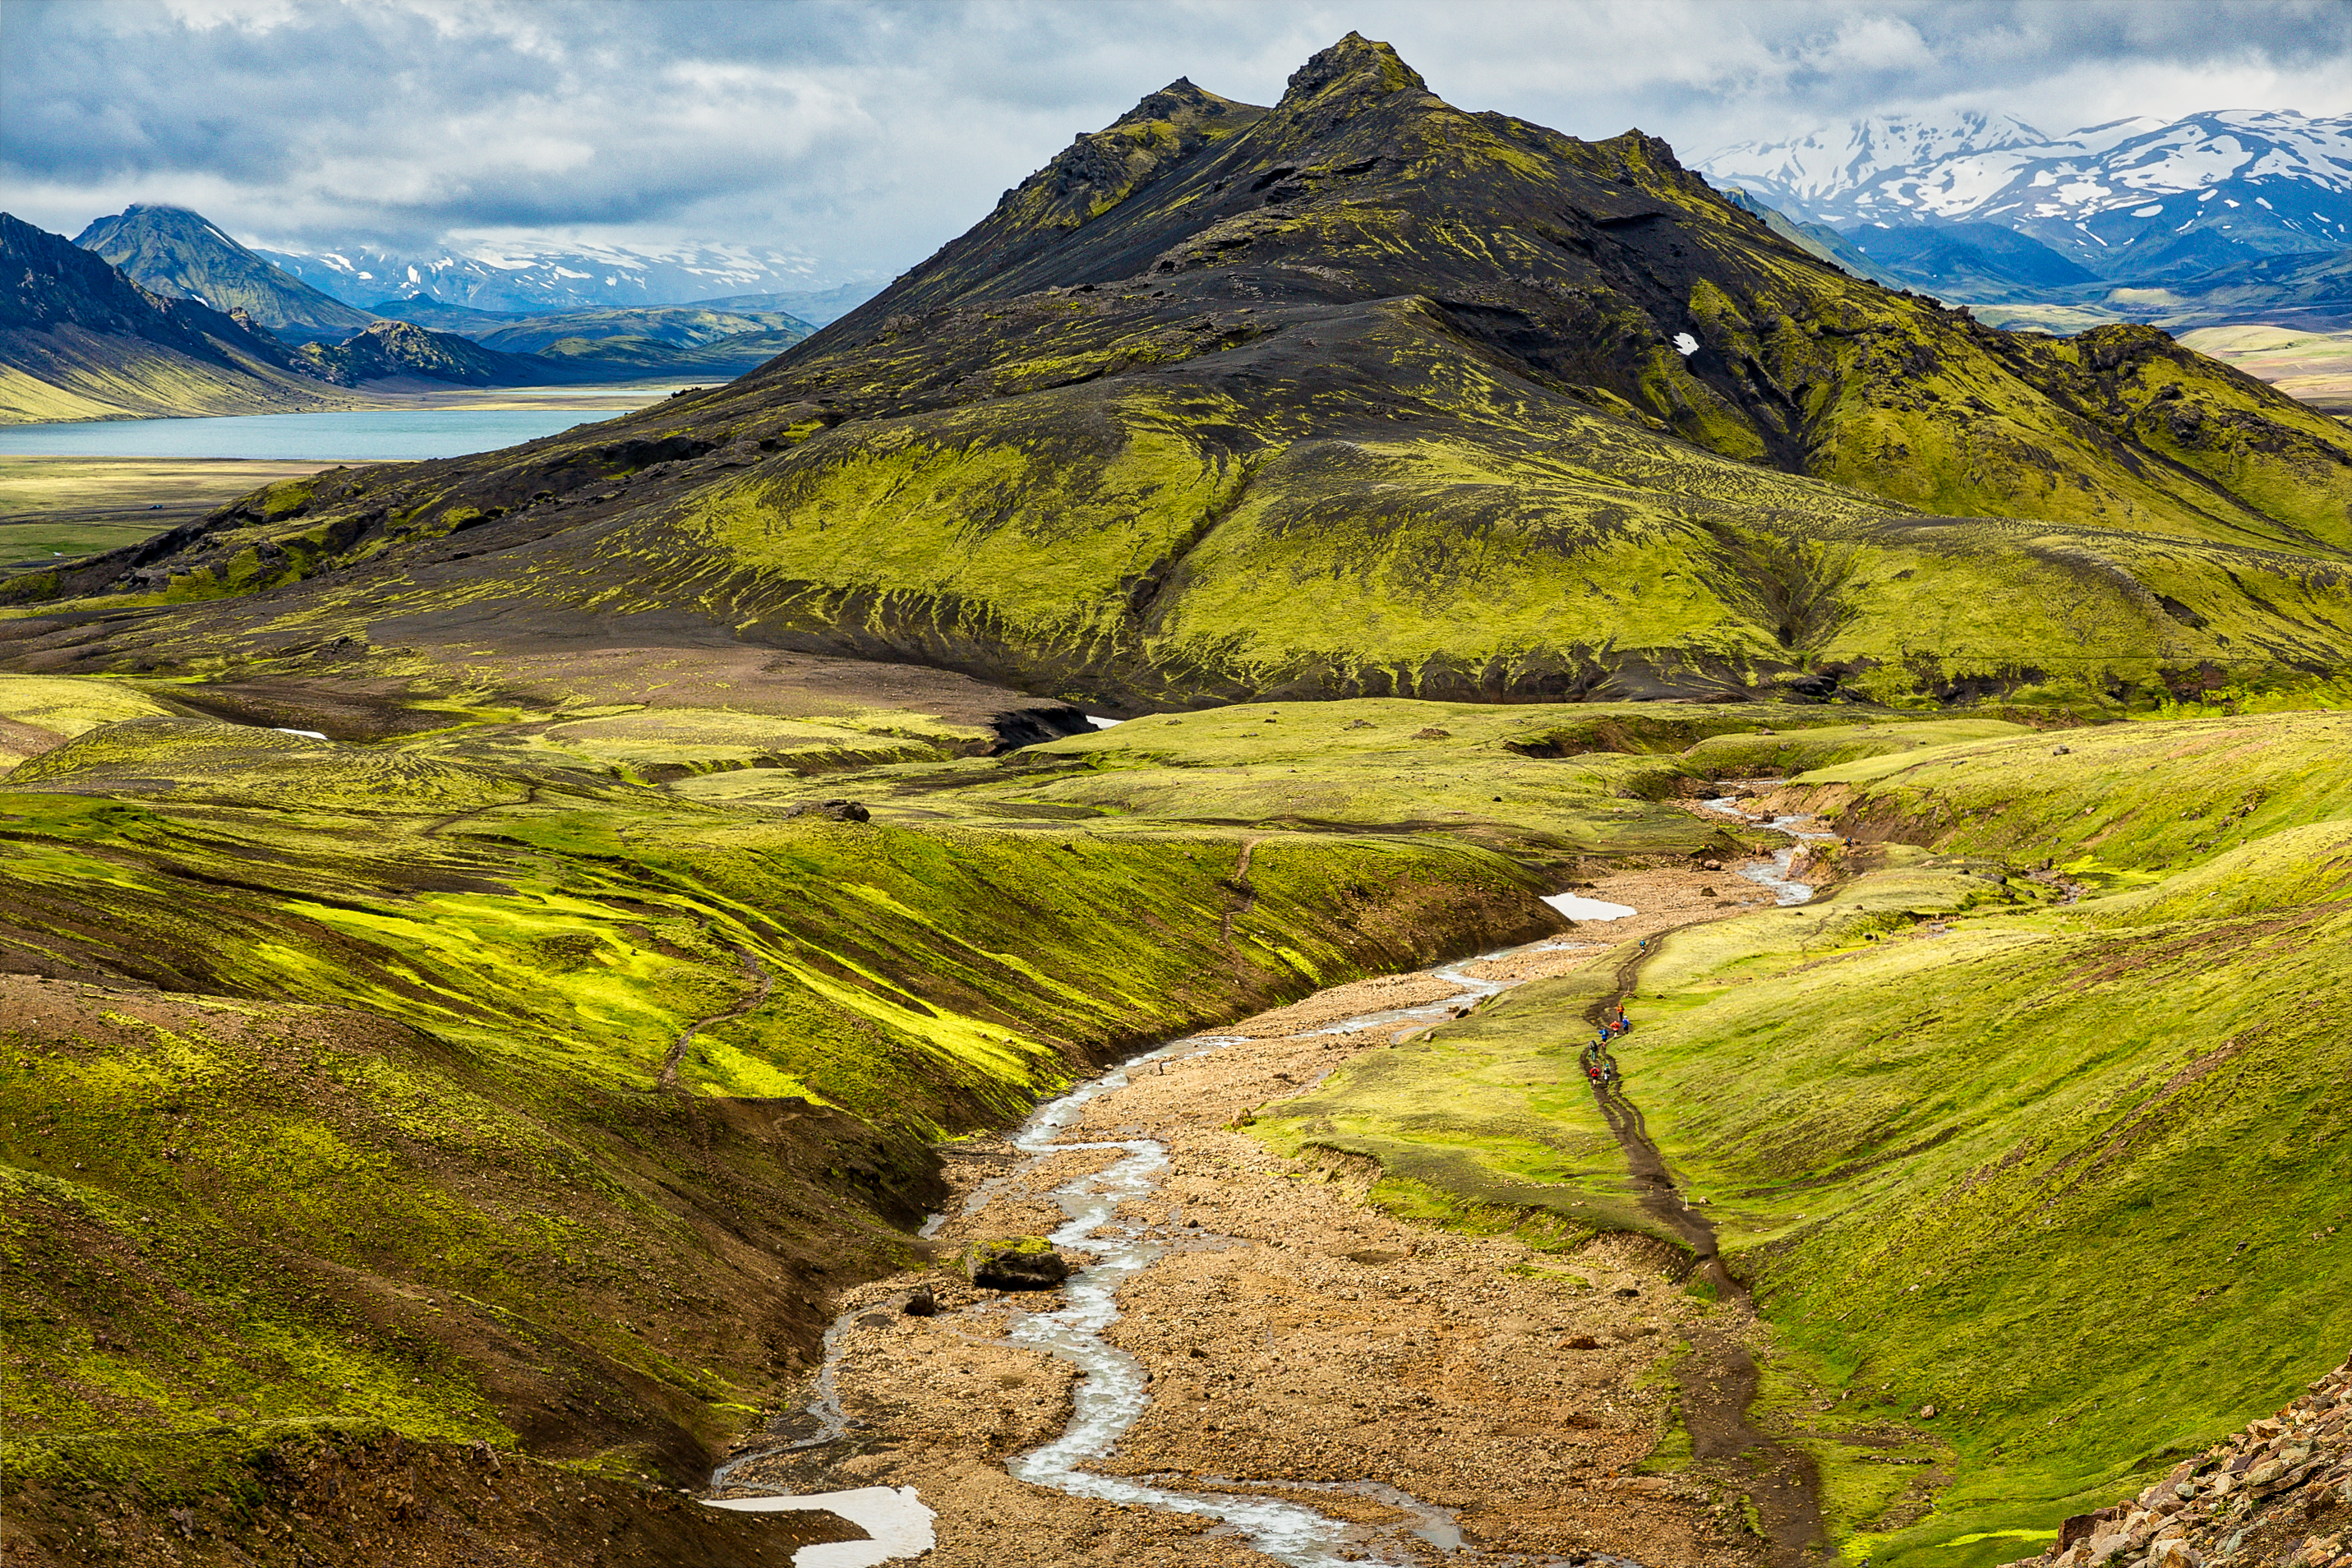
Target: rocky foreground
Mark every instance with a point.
(2279, 1495)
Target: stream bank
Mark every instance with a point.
(1259, 1363)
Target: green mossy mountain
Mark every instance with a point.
(174, 251)
(1364, 395)
(79, 340)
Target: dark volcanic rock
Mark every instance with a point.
(832, 811)
(1015, 1263)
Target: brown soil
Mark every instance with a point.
(1297, 1335)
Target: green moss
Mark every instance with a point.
(1938, 1120)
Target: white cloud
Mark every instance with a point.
(865, 134)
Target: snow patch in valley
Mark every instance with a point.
(894, 1517)
(1578, 908)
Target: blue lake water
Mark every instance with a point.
(365, 434)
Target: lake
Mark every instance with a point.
(362, 435)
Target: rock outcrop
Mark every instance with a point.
(2278, 1495)
(1015, 1263)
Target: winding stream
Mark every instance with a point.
(1774, 875)
(1112, 1391)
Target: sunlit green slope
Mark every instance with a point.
(2075, 1174)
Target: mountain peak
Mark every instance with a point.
(1356, 68)
(1180, 99)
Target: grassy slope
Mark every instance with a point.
(2072, 1175)
(390, 1147)
(68, 373)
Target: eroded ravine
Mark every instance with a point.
(1105, 1213)
(1719, 1385)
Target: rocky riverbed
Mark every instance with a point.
(1425, 1389)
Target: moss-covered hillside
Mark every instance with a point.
(468, 1087)
(1359, 395)
(2040, 1176)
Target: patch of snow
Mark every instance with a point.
(2156, 211)
(1578, 908)
(1685, 344)
(306, 734)
(1104, 723)
(894, 1517)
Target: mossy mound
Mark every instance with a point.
(359, 1084)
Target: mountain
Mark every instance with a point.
(1815, 239)
(1360, 394)
(2134, 199)
(80, 340)
(464, 319)
(1971, 260)
(1835, 174)
(401, 351)
(537, 277)
(174, 251)
(687, 326)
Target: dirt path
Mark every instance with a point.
(753, 970)
(1289, 1341)
(1720, 1383)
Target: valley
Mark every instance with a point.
(533, 981)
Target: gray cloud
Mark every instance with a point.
(862, 135)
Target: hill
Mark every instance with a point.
(174, 251)
(2060, 1015)
(79, 340)
(684, 326)
(398, 350)
(1528, 415)
(463, 319)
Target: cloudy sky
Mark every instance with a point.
(862, 135)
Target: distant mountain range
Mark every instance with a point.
(181, 262)
(534, 280)
(82, 337)
(2204, 208)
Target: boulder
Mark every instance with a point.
(831, 811)
(922, 1304)
(1015, 1263)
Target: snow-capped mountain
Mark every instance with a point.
(2133, 199)
(536, 277)
(1829, 175)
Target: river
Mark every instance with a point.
(1130, 1217)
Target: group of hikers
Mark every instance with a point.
(1598, 1065)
